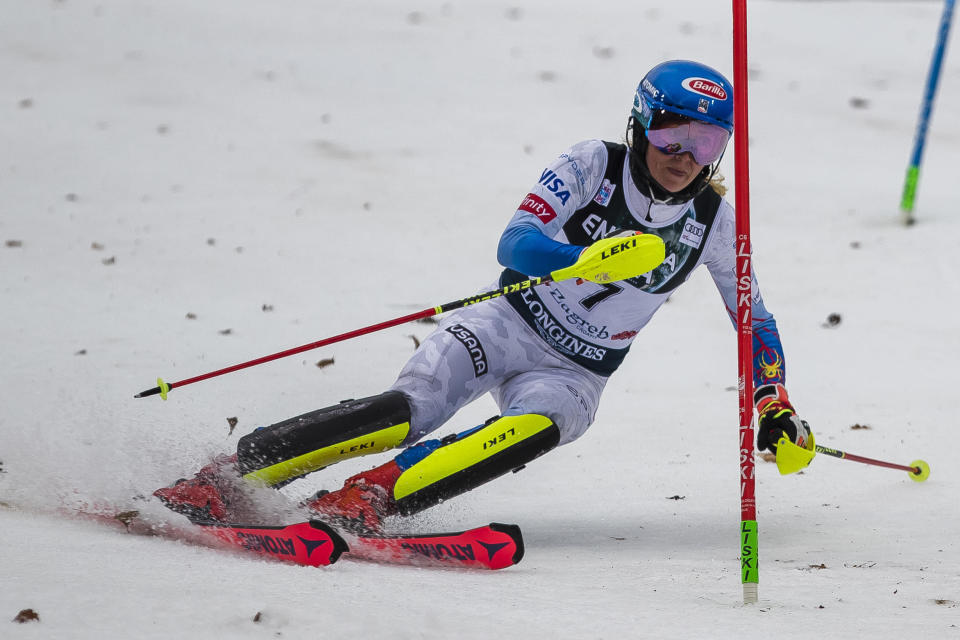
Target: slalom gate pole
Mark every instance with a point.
(606, 260)
(920, 138)
(748, 504)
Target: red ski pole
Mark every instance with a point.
(918, 469)
(163, 388)
(607, 260)
(791, 458)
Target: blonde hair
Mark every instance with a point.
(716, 183)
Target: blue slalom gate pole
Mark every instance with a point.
(913, 170)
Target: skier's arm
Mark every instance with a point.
(776, 414)
(524, 248)
(769, 364)
(534, 242)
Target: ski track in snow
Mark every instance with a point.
(282, 174)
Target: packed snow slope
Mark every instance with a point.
(187, 185)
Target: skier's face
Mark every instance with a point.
(673, 172)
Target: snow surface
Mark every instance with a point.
(344, 163)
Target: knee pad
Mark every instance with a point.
(285, 451)
(453, 466)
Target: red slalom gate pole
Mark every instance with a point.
(748, 503)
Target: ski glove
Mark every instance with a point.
(777, 417)
(616, 233)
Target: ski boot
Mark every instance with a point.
(207, 497)
(362, 503)
(430, 472)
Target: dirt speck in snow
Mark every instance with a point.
(27, 615)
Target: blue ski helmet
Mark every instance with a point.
(686, 88)
(677, 88)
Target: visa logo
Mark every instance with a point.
(555, 185)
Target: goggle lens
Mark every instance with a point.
(705, 141)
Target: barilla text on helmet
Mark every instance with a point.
(705, 87)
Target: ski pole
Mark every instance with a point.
(791, 458)
(607, 260)
(919, 470)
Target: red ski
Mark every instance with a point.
(313, 544)
(494, 546)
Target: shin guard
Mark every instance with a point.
(283, 452)
(435, 471)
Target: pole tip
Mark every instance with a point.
(162, 388)
(921, 471)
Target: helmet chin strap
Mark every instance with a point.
(656, 191)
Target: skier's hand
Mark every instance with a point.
(622, 233)
(777, 416)
(616, 233)
(614, 258)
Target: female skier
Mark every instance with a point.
(544, 353)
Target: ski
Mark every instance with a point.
(312, 543)
(493, 546)
(316, 543)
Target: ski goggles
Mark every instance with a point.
(705, 141)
